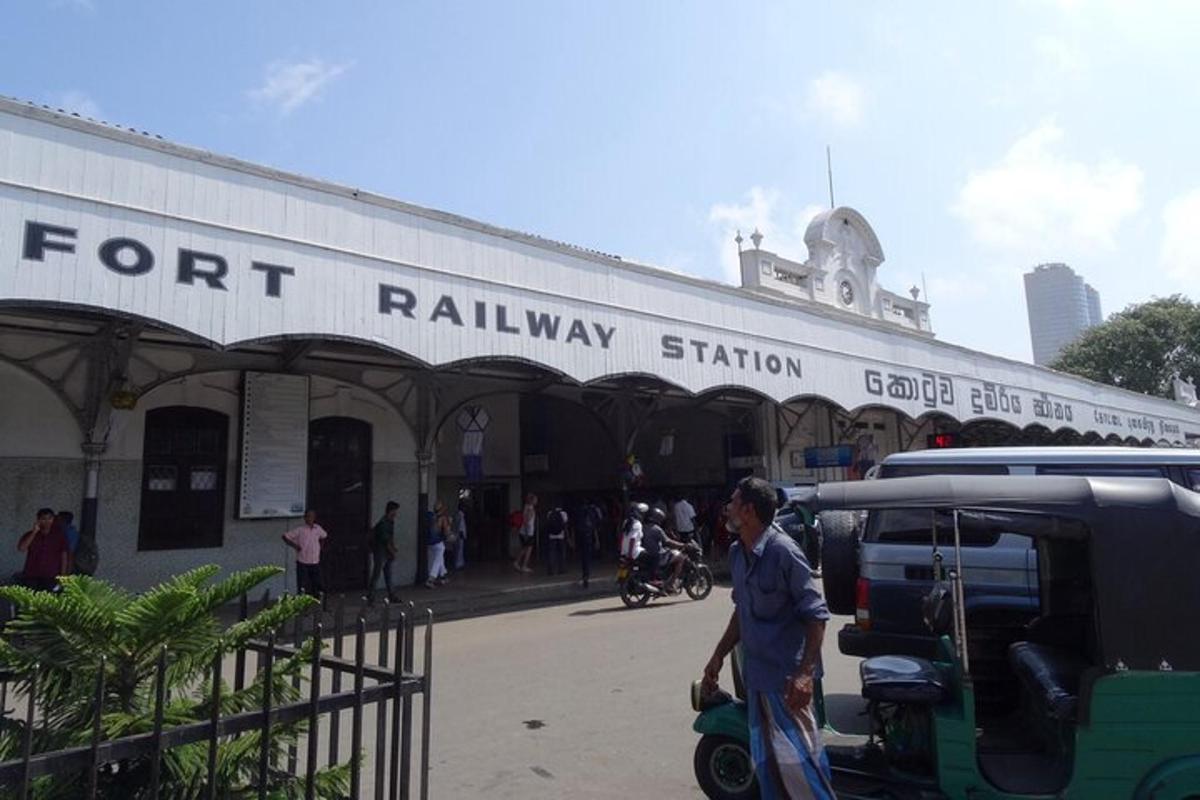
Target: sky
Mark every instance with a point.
(977, 138)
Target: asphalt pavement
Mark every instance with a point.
(584, 700)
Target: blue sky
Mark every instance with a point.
(977, 138)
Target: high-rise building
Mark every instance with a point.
(1061, 306)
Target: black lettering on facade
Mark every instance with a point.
(793, 367)
(480, 314)
(543, 325)
(38, 241)
(111, 251)
(672, 347)
(774, 365)
(578, 331)
(757, 361)
(699, 345)
(720, 356)
(446, 308)
(188, 271)
(741, 353)
(396, 298)
(502, 320)
(604, 334)
(275, 275)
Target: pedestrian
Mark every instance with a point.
(45, 549)
(528, 533)
(684, 516)
(67, 520)
(779, 617)
(460, 530)
(587, 537)
(383, 551)
(439, 524)
(307, 540)
(556, 540)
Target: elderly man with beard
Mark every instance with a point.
(779, 618)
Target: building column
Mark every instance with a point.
(91, 488)
(425, 471)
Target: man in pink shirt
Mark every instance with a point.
(307, 541)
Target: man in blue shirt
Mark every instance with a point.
(779, 619)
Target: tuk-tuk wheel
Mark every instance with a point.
(724, 768)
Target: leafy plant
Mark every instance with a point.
(67, 638)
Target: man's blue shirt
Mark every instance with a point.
(776, 600)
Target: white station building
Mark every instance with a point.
(193, 349)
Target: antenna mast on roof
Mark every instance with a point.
(829, 170)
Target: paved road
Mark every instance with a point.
(582, 701)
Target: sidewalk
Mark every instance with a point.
(480, 589)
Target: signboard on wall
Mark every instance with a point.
(252, 258)
(274, 457)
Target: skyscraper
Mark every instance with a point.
(1061, 306)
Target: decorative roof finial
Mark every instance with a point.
(739, 240)
(915, 292)
(757, 238)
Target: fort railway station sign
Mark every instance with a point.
(97, 218)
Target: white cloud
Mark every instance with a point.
(1040, 203)
(1181, 237)
(836, 96)
(782, 224)
(290, 85)
(74, 101)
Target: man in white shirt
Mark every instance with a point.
(685, 520)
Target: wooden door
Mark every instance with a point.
(339, 490)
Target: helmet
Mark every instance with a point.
(638, 510)
(656, 515)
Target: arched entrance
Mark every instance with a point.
(339, 490)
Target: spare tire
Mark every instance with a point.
(839, 559)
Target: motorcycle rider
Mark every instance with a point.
(661, 549)
(632, 532)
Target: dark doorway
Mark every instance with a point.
(487, 520)
(183, 478)
(339, 490)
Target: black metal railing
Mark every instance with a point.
(380, 763)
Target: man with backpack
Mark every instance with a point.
(587, 537)
(556, 539)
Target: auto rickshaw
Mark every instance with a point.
(1108, 672)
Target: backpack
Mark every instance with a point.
(586, 521)
(554, 522)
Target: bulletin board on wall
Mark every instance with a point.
(274, 445)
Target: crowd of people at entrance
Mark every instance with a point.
(584, 529)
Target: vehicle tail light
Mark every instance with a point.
(862, 604)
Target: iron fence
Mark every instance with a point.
(384, 691)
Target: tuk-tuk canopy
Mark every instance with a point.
(1144, 542)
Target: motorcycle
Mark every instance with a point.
(638, 587)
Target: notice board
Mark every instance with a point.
(274, 465)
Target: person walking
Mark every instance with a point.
(587, 538)
(460, 530)
(383, 551)
(683, 515)
(779, 617)
(528, 533)
(307, 540)
(439, 524)
(556, 540)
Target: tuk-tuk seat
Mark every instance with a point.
(1050, 676)
(902, 679)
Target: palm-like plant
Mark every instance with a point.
(67, 638)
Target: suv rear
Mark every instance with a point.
(894, 570)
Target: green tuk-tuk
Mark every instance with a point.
(1108, 673)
